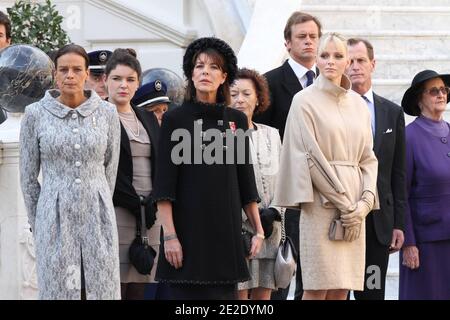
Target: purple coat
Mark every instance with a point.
(428, 185)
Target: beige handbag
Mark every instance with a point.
(336, 232)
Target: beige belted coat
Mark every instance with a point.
(326, 164)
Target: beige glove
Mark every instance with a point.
(363, 207)
(352, 233)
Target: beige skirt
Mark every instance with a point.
(327, 264)
(126, 224)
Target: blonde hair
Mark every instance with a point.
(337, 38)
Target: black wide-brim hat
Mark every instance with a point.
(200, 45)
(410, 98)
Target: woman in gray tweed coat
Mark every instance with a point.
(73, 137)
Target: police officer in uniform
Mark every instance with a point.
(96, 81)
(153, 97)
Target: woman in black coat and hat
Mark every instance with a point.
(200, 197)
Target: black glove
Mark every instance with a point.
(268, 216)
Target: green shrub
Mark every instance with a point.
(37, 24)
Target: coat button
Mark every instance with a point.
(77, 146)
(78, 164)
(448, 154)
(75, 130)
(444, 140)
(77, 181)
(74, 116)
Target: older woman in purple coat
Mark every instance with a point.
(425, 263)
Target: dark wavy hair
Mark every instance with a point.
(220, 53)
(4, 20)
(261, 87)
(126, 57)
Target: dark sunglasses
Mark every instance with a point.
(434, 92)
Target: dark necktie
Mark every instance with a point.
(309, 77)
(365, 98)
(372, 122)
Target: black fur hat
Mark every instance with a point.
(202, 44)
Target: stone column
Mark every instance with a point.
(263, 47)
(17, 259)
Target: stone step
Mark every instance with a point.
(382, 17)
(425, 42)
(392, 282)
(392, 89)
(407, 66)
(372, 3)
(392, 278)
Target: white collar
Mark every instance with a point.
(369, 95)
(300, 70)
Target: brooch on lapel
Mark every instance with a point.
(232, 126)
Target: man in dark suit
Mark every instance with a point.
(301, 34)
(384, 227)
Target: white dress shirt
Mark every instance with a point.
(300, 71)
(371, 106)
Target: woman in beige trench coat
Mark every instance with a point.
(329, 169)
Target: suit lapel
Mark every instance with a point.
(124, 140)
(290, 81)
(380, 120)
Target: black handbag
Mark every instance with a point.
(140, 253)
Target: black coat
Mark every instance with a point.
(125, 195)
(207, 199)
(283, 85)
(389, 148)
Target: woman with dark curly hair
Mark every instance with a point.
(199, 192)
(250, 94)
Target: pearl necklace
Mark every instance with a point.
(125, 124)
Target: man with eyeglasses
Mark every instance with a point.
(384, 228)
